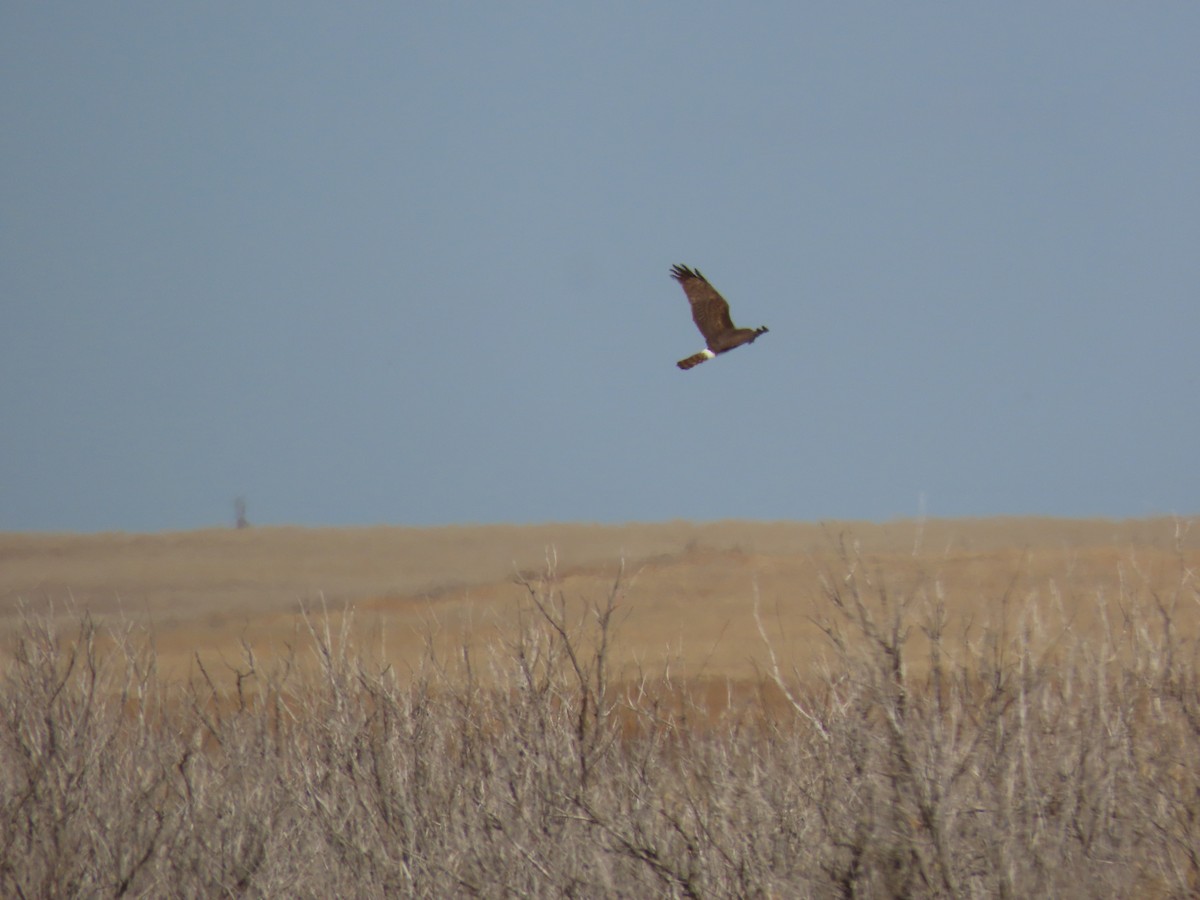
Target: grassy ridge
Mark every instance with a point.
(938, 746)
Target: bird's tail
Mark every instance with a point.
(695, 359)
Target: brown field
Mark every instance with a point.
(686, 593)
(1006, 707)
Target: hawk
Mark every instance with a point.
(711, 314)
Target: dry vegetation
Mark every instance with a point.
(863, 716)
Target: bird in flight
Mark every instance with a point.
(711, 315)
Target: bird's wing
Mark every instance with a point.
(709, 309)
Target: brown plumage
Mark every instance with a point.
(711, 315)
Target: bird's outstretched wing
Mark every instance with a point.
(710, 312)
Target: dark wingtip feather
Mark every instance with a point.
(679, 273)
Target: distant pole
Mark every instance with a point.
(239, 511)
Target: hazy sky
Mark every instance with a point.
(408, 262)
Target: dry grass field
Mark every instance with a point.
(1003, 707)
(686, 594)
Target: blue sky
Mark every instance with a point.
(408, 263)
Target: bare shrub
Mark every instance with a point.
(1002, 753)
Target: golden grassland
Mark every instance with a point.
(1003, 707)
(687, 593)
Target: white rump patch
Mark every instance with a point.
(707, 354)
